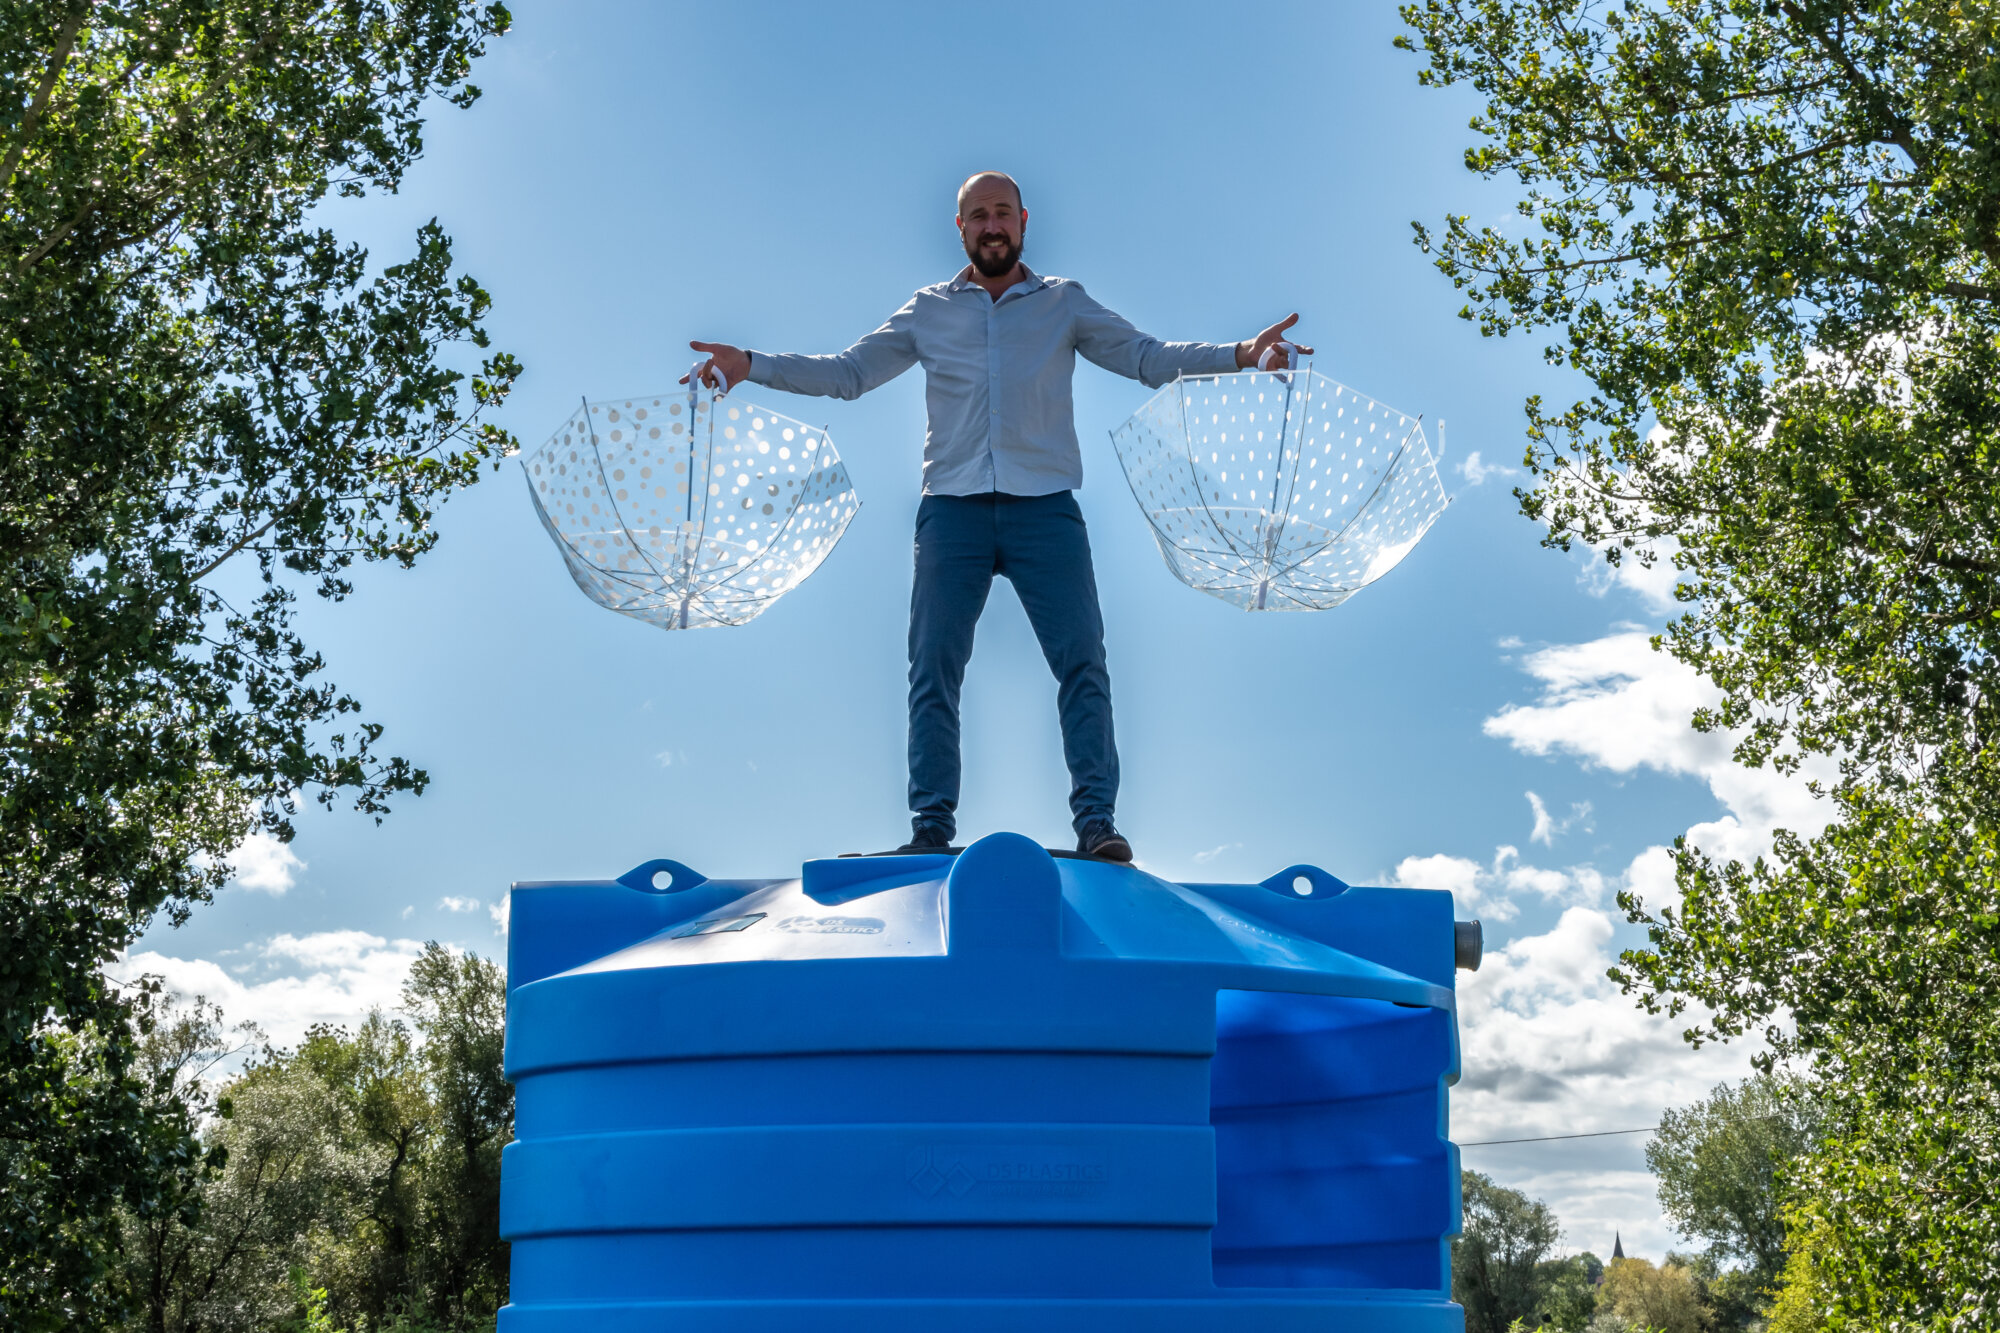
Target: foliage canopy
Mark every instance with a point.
(356, 1176)
(1501, 1271)
(1768, 235)
(207, 403)
(1720, 1165)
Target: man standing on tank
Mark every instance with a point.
(998, 344)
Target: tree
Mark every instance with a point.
(1731, 1297)
(1803, 1302)
(1568, 1296)
(1649, 1299)
(288, 1180)
(1895, 906)
(370, 1083)
(1768, 233)
(1719, 1166)
(1496, 1258)
(198, 384)
(356, 1176)
(458, 1004)
(97, 1115)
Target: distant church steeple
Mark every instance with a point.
(1617, 1246)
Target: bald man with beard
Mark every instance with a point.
(998, 344)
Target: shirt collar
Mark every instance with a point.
(1031, 281)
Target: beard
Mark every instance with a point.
(994, 266)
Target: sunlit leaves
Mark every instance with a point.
(208, 406)
(1768, 233)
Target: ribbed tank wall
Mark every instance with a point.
(868, 1087)
(1331, 1163)
(1095, 1170)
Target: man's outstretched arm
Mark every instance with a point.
(875, 360)
(1108, 339)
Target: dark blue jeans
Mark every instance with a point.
(1037, 543)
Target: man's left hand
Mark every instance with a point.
(1249, 351)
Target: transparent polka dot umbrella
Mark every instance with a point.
(1279, 490)
(769, 499)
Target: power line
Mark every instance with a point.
(1550, 1138)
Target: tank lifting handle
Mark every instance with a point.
(1304, 881)
(662, 876)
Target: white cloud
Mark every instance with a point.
(1572, 886)
(1476, 472)
(1203, 858)
(1490, 892)
(455, 904)
(501, 911)
(1470, 884)
(1544, 830)
(1548, 828)
(666, 757)
(1615, 703)
(409, 911)
(295, 981)
(1653, 584)
(265, 864)
(1552, 1048)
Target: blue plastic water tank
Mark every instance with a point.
(1001, 1091)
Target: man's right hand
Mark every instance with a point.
(1250, 352)
(725, 368)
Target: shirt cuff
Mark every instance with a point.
(760, 368)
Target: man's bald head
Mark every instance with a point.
(987, 178)
(992, 222)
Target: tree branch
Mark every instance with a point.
(218, 87)
(32, 121)
(245, 540)
(1971, 291)
(1899, 127)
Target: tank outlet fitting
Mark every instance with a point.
(1468, 942)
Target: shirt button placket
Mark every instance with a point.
(993, 394)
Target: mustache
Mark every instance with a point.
(993, 252)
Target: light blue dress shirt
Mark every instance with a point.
(997, 376)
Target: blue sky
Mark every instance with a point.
(781, 176)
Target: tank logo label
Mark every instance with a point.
(720, 925)
(1012, 1171)
(831, 925)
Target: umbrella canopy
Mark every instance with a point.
(687, 510)
(1279, 490)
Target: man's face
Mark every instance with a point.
(993, 224)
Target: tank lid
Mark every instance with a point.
(1006, 894)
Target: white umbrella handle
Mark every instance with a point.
(694, 379)
(1265, 362)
